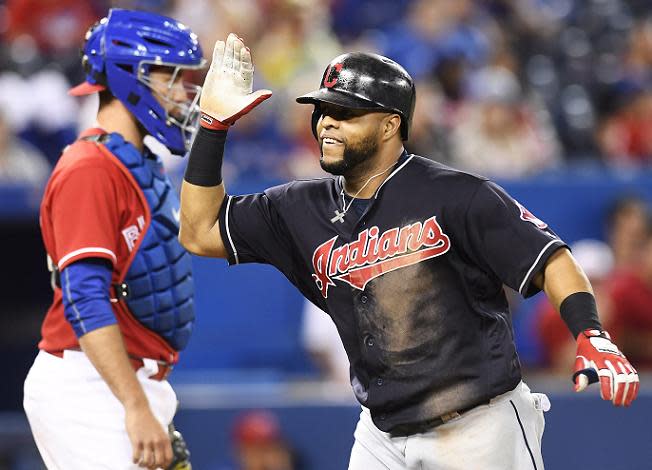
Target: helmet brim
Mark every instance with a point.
(346, 100)
(86, 88)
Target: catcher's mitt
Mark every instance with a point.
(181, 459)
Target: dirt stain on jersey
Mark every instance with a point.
(402, 322)
(449, 400)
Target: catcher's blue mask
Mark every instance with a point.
(126, 52)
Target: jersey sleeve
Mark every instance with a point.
(254, 232)
(507, 239)
(85, 216)
(85, 291)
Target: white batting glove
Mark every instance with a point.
(227, 92)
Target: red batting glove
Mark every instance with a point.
(598, 359)
(227, 93)
(209, 122)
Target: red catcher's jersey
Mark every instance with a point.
(90, 209)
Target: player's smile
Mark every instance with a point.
(329, 138)
(331, 146)
(331, 141)
(340, 153)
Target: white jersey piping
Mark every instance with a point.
(520, 289)
(228, 232)
(392, 174)
(91, 249)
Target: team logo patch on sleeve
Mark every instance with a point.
(132, 233)
(528, 216)
(374, 254)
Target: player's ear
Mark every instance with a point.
(391, 126)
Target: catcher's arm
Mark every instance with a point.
(150, 443)
(226, 96)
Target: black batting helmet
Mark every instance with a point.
(365, 81)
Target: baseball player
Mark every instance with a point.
(409, 258)
(97, 396)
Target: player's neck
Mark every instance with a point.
(367, 178)
(114, 117)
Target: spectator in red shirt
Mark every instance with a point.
(630, 292)
(55, 25)
(627, 222)
(625, 135)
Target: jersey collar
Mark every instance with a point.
(95, 130)
(400, 163)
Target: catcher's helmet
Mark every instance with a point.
(365, 81)
(119, 52)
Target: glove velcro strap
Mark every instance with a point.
(209, 122)
(592, 342)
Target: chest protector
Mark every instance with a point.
(159, 278)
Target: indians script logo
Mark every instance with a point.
(332, 74)
(374, 254)
(528, 216)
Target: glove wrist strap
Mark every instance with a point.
(580, 313)
(209, 122)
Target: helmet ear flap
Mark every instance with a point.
(316, 115)
(405, 129)
(96, 75)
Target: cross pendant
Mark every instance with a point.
(338, 216)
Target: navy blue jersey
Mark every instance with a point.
(413, 282)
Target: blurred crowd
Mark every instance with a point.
(506, 88)
(620, 271)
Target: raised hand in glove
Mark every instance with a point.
(227, 92)
(598, 359)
